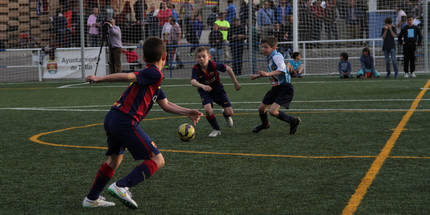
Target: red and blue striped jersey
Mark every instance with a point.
(210, 76)
(137, 100)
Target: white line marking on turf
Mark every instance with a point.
(425, 88)
(71, 85)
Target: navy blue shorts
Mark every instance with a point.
(123, 132)
(217, 95)
(281, 94)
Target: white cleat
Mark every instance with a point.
(215, 133)
(229, 121)
(413, 75)
(406, 75)
(123, 194)
(100, 202)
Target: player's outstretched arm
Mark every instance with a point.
(128, 77)
(268, 74)
(233, 77)
(170, 107)
(197, 84)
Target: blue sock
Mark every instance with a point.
(212, 120)
(141, 172)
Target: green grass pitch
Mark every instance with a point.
(345, 126)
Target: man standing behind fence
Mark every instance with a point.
(265, 19)
(410, 37)
(93, 25)
(389, 46)
(115, 46)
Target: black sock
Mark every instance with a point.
(264, 120)
(284, 117)
(212, 120)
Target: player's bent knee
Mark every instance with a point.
(159, 160)
(274, 112)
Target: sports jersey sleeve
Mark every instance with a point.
(221, 67)
(147, 77)
(280, 64)
(161, 95)
(194, 74)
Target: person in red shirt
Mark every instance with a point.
(132, 59)
(163, 14)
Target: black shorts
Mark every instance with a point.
(281, 94)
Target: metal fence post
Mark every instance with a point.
(304, 58)
(250, 2)
(81, 10)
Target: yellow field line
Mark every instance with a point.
(377, 164)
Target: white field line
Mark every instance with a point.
(255, 102)
(228, 84)
(236, 109)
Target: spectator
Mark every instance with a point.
(367, 69)
(330, 19)
(237, 36)
(216, 42)
(243, 13)
(305, 20)
(172, 34)
(174, 13)
(107, 12)
(354, 15)
(197, 30)
(295, 66)
(94, 28)
(163, 14)
(399, 24)
(61, 32)
(212, 17)
(187, 11)
(151, 23)
(265, 19)
(282, 12)
(388, 34)
(132, 58)
(231, 12)
(319, 15)
(115, 46)
(224, 25)
(279, 32)
(410, 37)
(344, 66)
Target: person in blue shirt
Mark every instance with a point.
(295, 66)
(282, 12)
(344, 66)
(265, 19)
(367, 69)
(231, 12)
(282, 91)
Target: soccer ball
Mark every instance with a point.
(186, 132)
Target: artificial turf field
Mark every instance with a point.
(362, 147)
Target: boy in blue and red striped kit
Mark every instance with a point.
(122, 127)
(205, 76)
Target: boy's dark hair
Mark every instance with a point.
(202, 49)
(344, 55)
(153, 48)
(410, 17)
(388, 20)
(270, 40)
(366, 50)
(295, 55)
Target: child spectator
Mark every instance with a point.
(367, 65)
(344, 66)
(295, 66)
(389, 46)
(132, 59)
(216, 41)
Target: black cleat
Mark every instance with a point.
(294, 125)
(258, 128)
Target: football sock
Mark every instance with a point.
(264, 120)
(212, 120)
(104, 174)
(141, 172)
(284, 117)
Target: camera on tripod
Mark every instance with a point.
(105, 27)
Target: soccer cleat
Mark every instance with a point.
(258, 128)
(123, 194)
(229, 121)
(413, 75)
(215, 133)
(406, 75)
(294, 125)
(100, 202)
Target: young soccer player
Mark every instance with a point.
(282, 91)
(205, 77)
(122, 127)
